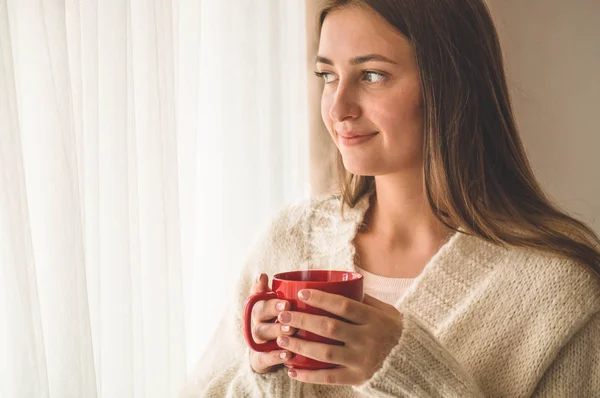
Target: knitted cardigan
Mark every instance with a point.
(480, 321)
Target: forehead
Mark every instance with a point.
(357, 30)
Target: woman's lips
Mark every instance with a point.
(356, 140)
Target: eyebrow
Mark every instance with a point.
(358, 60)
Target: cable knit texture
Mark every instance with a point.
(480, 320)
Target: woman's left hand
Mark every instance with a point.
(370, 331)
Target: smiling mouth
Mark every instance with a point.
(359, 136)
(358, 139)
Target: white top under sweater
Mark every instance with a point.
(388, 290)
(479, 321)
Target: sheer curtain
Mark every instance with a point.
(143, 144)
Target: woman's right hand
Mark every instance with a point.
(263, 329)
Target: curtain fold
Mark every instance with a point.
(23, 358)
(143, 144)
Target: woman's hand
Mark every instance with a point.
(370, 330)
(263, 329)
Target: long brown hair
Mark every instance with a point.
(476, 173)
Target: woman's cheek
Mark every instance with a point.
(325, 106)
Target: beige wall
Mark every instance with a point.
(552, 57)
(552, 54)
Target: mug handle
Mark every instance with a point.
(269, 345)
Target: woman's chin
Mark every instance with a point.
(360, 169)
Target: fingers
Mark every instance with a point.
(373, 302)
(263, 362)
(264, 312)
(261, 284)
(267, 310)
(322, 326)
(336, 354)
(348, 309)
(264, 331)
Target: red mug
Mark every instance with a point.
(285, 286)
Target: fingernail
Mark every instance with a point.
(285, 328)
(292, 373)
(283, 355)
(258, 277)
(304, 295)
(280, 306)
(283, 341)
(285, 317)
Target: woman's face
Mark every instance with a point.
(372, 91)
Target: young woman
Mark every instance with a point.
(476, 285)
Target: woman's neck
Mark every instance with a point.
(400, 216)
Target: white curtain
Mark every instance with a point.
(143, 145)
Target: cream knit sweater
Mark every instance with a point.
(480, 320)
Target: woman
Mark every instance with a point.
(437, 193)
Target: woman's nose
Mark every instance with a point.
(344, 105)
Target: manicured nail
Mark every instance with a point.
(292, 373)
(285, 317)
(283, 355)
(283, 341)
(304, 295)
(280, 306)
(285, 328)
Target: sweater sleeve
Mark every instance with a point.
(419, 366)
(575, 372)
(224, 369)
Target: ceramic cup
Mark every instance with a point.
(285, 286)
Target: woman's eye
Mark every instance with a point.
(377, 75)
(323, 75)
(370, 77)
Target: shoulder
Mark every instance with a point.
(556, 286)
(560, 276)
(531, 300)
(287, 233)
(297, 218)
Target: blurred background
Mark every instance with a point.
(145, 143)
